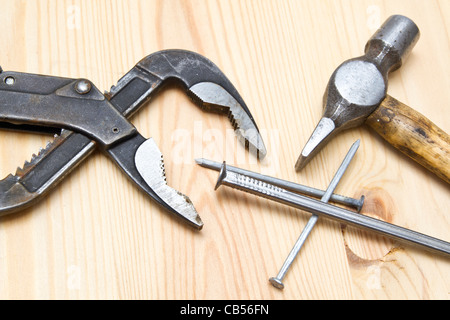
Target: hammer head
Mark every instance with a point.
(358, 86)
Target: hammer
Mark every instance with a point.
(356, 94)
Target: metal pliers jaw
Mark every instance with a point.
(89, 118)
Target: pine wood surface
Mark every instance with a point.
(95, 236)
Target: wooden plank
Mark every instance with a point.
(96, 236)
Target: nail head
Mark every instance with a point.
(222, 175)
(276, 283)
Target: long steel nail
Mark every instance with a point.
(260, 188)
(277, 281)
(295, 187)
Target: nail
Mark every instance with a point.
(271, 192)
(277, 281)
(291, 186)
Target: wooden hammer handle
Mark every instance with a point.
(414, 135)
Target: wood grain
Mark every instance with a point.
(96, 237)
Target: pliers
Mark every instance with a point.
(82, 118)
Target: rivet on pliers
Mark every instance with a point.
(83, 86)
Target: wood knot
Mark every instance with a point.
(386, 115)
(364, 247)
